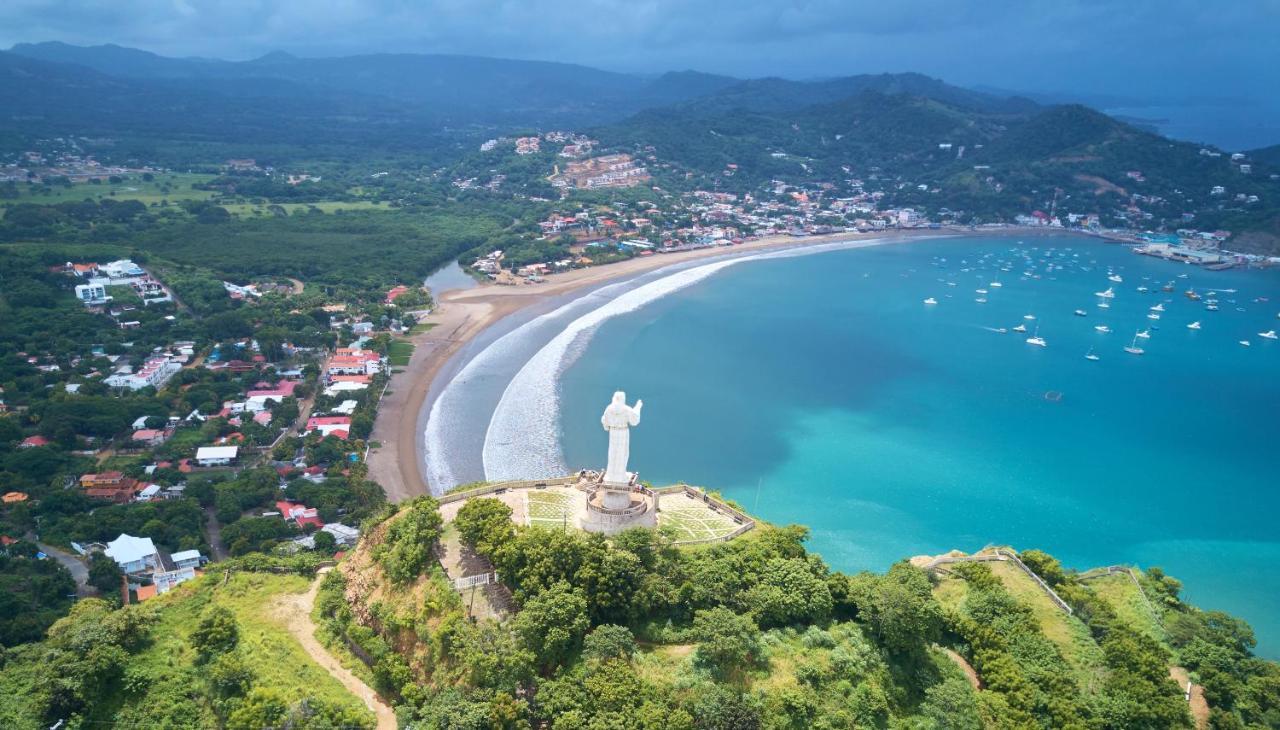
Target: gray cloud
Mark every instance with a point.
(1162, 47)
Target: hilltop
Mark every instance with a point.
(636, 632)
(215, 652)
(758, 632)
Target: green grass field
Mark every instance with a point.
(399, 353)
(1068, 633)
(1126, 599)
(249, 210)
(280, 660)
(694, 522)
(549, 509)
(172, 187)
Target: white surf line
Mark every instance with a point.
(523, 439)
(453, 397)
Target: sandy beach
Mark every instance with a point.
(460, 315)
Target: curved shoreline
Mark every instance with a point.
(463, 316)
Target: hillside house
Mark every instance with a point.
(134, 554)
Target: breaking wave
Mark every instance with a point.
(523, 439)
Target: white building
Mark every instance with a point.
(345, 536)
(216, 455)
(92, 294)
(122, 269)
(186, 559)
(154, 372)
(133, 554)
(344, 386)
(167, 580)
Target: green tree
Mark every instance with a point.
(406, 550)
(552, 623)
(609, 642)
(106, 576)
(484, 523)
(725, 639)
(1044, 565)
(899, 607)
(217, 632)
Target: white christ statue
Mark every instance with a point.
(618, 419)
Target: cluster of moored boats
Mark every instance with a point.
(1104, 301)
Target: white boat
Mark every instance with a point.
(1081, 313)
(1269, 334)
(1028, 317)
(1108, 294)
(1158, 308)
(1116, 278)
(1103, 329)
(1143, 289)
(1090, 356)
(1153, 315)
(1212, 307)
(1244, 342)
(1104, 305)
(996, 284)
(1194, 325)
(1036, 339)
(1133, 348)
(931, 300)
(979, 291)
(1145, 334)
(981, 300)
(1020, 328)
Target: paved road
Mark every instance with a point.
(79, 571)
(217, 550)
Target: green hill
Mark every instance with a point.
(215, 652)
(943, 149)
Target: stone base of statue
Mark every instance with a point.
(614, 507)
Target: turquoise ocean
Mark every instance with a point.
(822, 390)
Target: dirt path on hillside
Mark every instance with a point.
(294, 610)
(969, 672)
(1199, 706)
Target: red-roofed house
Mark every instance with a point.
(256, 400)
(31, 442)
(150, 436)
(395, 292)
(338, 426)
(110, 485)
(354, 362)
(299, 513)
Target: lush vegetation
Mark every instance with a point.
(631, 632)
(211, 654)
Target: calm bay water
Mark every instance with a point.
(820, 390)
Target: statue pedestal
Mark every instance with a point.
(612, 508)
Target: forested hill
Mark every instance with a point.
(446, 89)
(971, 152)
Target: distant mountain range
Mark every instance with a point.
(444, 89)
(988, 151)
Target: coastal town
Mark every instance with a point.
(214, 406)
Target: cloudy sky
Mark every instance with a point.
(1148, 48)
